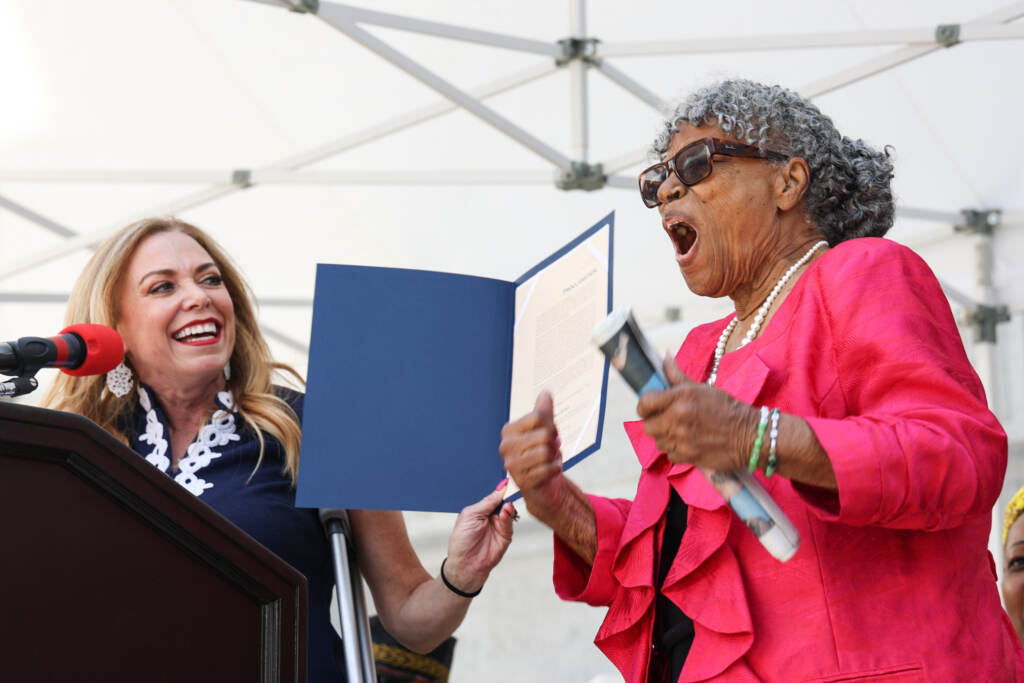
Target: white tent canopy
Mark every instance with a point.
(437, 135)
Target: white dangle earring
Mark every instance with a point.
(227, 371)
(119, 380)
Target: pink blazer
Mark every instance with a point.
(893, 580)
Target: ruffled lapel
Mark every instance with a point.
(705, 580)
(651, 495)
(695, 490)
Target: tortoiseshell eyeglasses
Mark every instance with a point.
(693, 164)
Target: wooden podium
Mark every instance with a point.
(109, 571)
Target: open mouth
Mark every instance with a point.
(204, 332)
(682, 234)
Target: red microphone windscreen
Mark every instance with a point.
(104, 349)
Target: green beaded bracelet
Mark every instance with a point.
(759, 441)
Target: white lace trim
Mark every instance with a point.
(217, 433)
(154, 435)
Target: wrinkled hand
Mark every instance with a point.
(698, 424)
(532, 453)
(478, 542)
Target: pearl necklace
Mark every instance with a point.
(761, 312)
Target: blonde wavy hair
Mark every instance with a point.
(95, 299)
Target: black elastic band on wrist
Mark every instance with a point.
(455, 590)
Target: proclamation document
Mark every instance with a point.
(556, 308)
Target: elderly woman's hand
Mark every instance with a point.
(532, 453)
(478, 541)
(698, 424)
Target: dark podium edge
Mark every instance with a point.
(88, 452)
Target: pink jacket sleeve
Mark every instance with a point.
(594, 585)
(919, 448)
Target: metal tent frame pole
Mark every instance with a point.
(240, 178)
(925, 35)
(34, 217)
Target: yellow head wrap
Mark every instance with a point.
(1013, 511)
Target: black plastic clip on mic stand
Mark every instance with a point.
(18, 386)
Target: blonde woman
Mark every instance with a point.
(195, 398)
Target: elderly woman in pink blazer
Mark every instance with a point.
(842, 378)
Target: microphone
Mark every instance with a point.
(83, 349)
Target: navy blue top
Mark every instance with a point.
(219, 468)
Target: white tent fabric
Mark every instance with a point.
(116, 109)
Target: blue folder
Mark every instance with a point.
(408, 386)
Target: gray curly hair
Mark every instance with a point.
(850, 191)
